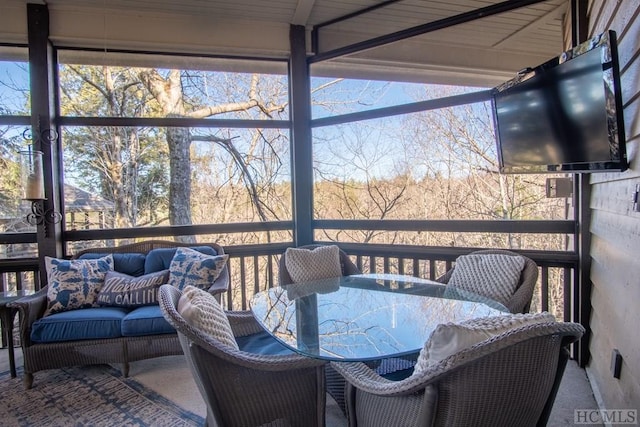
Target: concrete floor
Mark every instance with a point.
(575, 390)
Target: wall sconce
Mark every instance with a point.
(32, 180)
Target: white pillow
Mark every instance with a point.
(493, 275)
(450, 338)
(304, 265)
(201, 310)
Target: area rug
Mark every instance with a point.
(87, 396)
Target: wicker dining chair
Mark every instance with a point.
(334, 382)
(520, 300)
(246, 389)
(508, 380)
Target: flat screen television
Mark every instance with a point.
(564, 115)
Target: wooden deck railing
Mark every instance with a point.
(255, 267)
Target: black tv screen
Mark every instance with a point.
(563, 115)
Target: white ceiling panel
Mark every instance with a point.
(499, 44)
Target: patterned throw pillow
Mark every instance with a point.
(305, 265)
(493, 275)
(201, 310)
(75, 283)
(122, 290)
(450, 338)
(190, 267)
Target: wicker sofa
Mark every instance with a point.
(161, 340)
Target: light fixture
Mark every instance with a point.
(32, 178)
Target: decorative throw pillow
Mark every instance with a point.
(190, 267)
(122, 290)
(75, 283)
(493, 275)
(304, 265)
(450, 338)
(201, 310)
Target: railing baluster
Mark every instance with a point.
(256, 274)
(19, 280)
(270, 264)
(544, 289)
(566, 285)
(243, 280)
(230, 290)
(432, 269)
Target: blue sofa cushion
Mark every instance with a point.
(127, 263)
(262, 343)
(84, 324)
(147, 320)
(160, 259)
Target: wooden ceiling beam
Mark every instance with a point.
(303, 12)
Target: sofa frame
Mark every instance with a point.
(41, 356)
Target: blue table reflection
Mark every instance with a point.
(364, 317)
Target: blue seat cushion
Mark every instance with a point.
(160, 259)
(262, 343)
(81, 324)
(127, 263)
(147, 320)
(395, 368)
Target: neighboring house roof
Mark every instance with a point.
(78, 200)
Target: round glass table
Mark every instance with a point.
(364, 317)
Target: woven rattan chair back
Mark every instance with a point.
(510, 380)
(520, 301)
(348, 267)
(246, 389)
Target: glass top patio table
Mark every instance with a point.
(364, 317)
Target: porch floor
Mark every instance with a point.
(575, 390)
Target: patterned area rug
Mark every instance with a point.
(87, 396)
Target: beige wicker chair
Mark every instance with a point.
(245, 389)
(509, 380)
(335, 382)
(348, 267)
(520, 301)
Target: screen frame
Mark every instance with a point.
(607, 45)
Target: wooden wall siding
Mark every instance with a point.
(615, 228)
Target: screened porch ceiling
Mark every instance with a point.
(486, 51)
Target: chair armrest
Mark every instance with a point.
(243, 323)
(221, 284)
(364, 378)
(520, 301)
(445, 277)
(31, 308)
